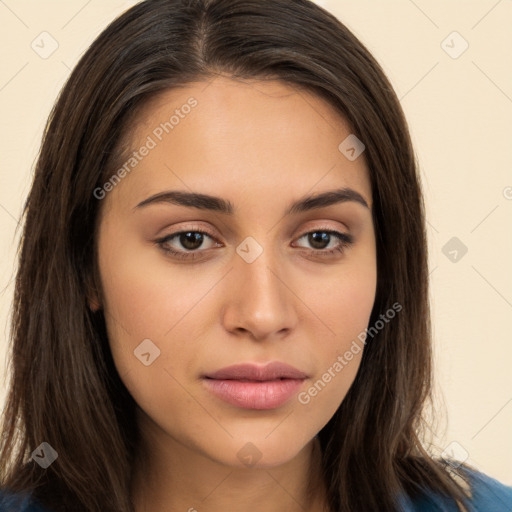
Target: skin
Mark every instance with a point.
(260, 145)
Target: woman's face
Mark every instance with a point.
(266, 283)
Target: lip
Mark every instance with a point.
(251, 386)
(251, 371)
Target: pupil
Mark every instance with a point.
(322, 239)
(191, 240)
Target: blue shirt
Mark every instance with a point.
(489, 495)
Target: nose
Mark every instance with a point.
(259, 298)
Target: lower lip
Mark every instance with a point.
(254, 395)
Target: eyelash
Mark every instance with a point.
(345, 239)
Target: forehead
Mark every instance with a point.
(221, 96)
(258, 135)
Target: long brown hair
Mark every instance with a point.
(64, 388)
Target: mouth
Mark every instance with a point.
(249, 386)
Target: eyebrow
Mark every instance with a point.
(217, 204)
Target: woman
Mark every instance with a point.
(186, 338)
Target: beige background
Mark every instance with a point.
(460, 112)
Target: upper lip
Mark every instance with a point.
(251, 371)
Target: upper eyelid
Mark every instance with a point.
(198, 227)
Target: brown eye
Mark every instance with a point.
(320, 239)
(185, 244)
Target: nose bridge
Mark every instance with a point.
(256, 270)
(258, 298)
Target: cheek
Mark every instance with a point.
(145, 297)
(344, 300)
(152, 307)
(343, 305)
(152, 314)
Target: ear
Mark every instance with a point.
(94, 304)
(93, 297)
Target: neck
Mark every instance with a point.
(172, 477)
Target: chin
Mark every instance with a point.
(259, 451)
